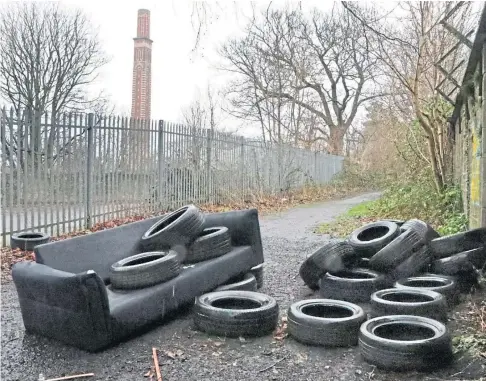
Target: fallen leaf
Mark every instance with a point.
(148, 374)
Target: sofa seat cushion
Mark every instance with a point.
(132, 309)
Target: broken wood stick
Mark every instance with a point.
(156, 364)
(71, 377)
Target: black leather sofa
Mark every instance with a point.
(66, 293)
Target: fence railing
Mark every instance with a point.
(66, 173)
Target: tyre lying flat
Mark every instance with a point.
(236, 313)
(418, 302)
(325, 322)
(404, 343)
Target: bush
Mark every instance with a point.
(405, 201)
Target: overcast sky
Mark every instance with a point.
(177, 72)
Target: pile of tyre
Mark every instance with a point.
(176, 241)
(406, 275)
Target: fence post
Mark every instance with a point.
(161, 162)
(208, 164)
(89, 168)
(242, 166)
(5, 189)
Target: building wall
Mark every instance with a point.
(469, 152)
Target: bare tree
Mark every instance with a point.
(410, 53)
(320, 64)
(49, 57)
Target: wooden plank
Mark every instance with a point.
(458, 34)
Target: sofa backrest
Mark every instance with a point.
(98, 251)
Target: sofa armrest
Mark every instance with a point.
(72, 308)
(243, 226)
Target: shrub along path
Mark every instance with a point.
(185, 354)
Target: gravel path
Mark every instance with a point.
(287, 239)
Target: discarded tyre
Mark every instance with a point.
(442, 284)
(397, 251)
(211, 243)
(395, 301)
(416, 263)
(244, 282)
(453, 265)
(457, 243)
(398, 222)
(422, 228)
(354, 285)
(404, 343)
(257, 271)
(369, 239)
(146, 269)
(181, 227)
(236, 313)
(27, 241)
(363, 263)
(326, 322)
(334, 256)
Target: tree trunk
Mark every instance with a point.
(336, 139)
(438, 179)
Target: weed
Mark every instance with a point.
(442, 211)
(474, 344)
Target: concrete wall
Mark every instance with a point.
(470, 149)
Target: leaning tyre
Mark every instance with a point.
(457, 243)
(27, 241)
(257, 271)
(211, 243)
(395, 301)
(404, 343)
(442, 284)
(369, 239)
(413, 265)
(181, 227)
(397, 251)
(398, 222)
(453, 265)
(334, 256)
(146, 269)
(422, 228)
(363, 263)
(326, 322)
(354, 285)
(245, 282)
(236, 313)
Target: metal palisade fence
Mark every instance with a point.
(67, 172)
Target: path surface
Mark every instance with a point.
(287, 239)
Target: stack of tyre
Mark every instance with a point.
(177, 240)
(407, 275)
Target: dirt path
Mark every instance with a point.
(287, 239)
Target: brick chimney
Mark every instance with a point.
(142, 68)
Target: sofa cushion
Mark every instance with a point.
(131, 310)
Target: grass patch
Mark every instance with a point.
(442, 211)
